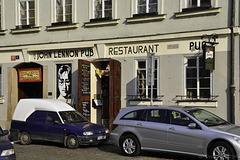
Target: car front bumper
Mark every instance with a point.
(90, 140)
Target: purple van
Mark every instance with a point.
(54, 120)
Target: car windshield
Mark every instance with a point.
(207, 118)
(72, 117)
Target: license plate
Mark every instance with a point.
(101, 137)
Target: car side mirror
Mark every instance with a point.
(6, 132)
(192, 125)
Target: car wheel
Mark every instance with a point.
(129, 145)
(72, 142)
(25, 138)
(222, 151)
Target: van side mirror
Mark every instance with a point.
(192, 126)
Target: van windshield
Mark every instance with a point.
(72, 117)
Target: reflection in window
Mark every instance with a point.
(179, 118)
(144, 90)
(197, 79)
(63, 10)
(198, 3)
(27, 12)
(102, 9)
(147, 6)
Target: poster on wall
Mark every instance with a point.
(209, 57)
(85, 79)
(86, 108)
(64, 79)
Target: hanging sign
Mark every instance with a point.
(30, 75)
(209, 57)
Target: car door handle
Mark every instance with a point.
(139, 124)
(172, 128)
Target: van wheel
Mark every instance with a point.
(129, 145)
(72, 142)
(221, 151)
(25, 138)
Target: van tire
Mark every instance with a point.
(25, 138)
(72, 142)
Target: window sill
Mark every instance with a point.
(2, 100)
(195, 13)
(100, 23)
(146, 18)
(26, 30)
(202, 103)
(62, 27)
(3, 32)
(145, 103)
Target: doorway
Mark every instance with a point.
(108, 89)
(30, 84)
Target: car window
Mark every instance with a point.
(39, 116)
(157, 115)
(179, 118)
(134, 115)
(207, 118)
(1, 132)
(52, 117)
(30, 118)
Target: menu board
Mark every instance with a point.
(86, 108)
(85, 79)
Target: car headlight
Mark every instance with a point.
(89, 133)
(107, 131)
(7, 152)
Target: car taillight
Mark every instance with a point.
(114, 126)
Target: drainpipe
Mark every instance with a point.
(232, 51)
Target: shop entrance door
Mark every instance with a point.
(110, 90)
(114, 90)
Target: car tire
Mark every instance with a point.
(221, 150)
(130, 145)
(25, 138)
(72, 142)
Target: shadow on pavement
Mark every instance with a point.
(162, 155)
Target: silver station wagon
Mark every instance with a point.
(183, 130)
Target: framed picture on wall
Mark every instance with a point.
(64, 81)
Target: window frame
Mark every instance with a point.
(64, 12)
(103, 10)
(27, 12)
(147, 7)
(1, 92)
(197, 78)
(147, 95)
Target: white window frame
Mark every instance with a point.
(147, 6)
(198, 78)
(185, 3)
(1, 92)
(147, 88)
(64, 11)
(27, 8)
(103, 8)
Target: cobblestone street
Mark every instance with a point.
(54, 151)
